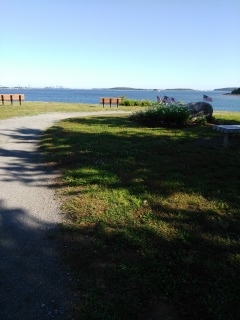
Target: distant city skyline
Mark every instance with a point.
(105, 44)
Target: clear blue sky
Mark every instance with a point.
(108, 43)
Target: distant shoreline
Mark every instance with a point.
(114, 88)
(231, 94)
(129, 88)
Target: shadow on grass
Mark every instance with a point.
(120, 278)
(179, 250)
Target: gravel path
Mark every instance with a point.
(34, 283)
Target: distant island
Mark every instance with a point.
(129, 88)
(182, 89)
(225, 89)
(234, 92)
(125, 88)
(230, 90)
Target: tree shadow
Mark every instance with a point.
(34, 281)
(22, 134)
(194, 264)
(138, 273)
(100, 120)
(25, 167)
(21, 160)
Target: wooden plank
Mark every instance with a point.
(15, 97)
(12, 97)
(112, 100)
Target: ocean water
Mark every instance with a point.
(221, 101)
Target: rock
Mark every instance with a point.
(200, 109)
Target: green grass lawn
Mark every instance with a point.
(32, 108)
(154, 218)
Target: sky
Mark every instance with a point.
(150, 44)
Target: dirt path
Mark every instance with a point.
(34, 283)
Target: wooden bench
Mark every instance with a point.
(111, 101)
(227, 130)
(12, 97)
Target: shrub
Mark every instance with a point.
(130, 102)
(127, 102)
(162, 114)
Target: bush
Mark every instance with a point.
(126, 102)
(162, 114)
(129, 102)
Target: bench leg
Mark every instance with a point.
(225, 140)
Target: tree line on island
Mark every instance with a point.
(233, 90)
(236, 91)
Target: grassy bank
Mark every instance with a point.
(33, 108)
(154, 218)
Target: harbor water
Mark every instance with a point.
(221, 100)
